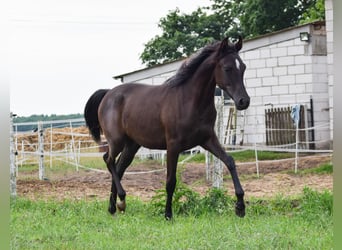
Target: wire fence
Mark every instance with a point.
(47, 144)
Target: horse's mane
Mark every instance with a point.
(190, 65)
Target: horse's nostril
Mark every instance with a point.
(243, 102)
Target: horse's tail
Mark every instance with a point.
(91, 115)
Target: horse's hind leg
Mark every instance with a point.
(109, 158)
(112, 198)
(124, 161)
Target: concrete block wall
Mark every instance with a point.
(284, 73)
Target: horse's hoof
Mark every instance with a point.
(121, 205)
(240, 213)
(240, 210)
(112, 210)
(168, 216)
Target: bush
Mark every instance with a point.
(217, 201)
(187, 202)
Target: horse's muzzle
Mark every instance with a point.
(242, 103)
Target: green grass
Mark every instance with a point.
(304, 222)
(196, 158)
(28, 168)
(243, 156)
(249, 155)
(322, 169)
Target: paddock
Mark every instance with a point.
(72, 167)
(276, 178)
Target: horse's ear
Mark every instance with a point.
(223, 45)
(238, 44)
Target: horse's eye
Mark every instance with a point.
(227, 69)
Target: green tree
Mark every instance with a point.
(256, 17)
(315, 12)
(183, 34)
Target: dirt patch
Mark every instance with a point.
(276, 177)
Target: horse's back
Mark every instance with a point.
(134, 110)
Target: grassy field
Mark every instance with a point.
(208, 222)
(200, 222)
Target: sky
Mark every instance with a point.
(61, 51)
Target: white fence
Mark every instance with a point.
(69, 141)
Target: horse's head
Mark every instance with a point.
(229, 72)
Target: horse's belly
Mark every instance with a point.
(146, 132)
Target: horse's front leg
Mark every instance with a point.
(213, 146)
(172, 159)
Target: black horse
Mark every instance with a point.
(176, 116)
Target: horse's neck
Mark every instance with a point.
(202, 86)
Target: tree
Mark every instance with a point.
(183, 34)
(258, 17)
(315, 12)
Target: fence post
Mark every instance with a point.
(41, 151)
(13, 167)
(207, 166)
(256, 159)
(218, 168)
(51, 148)
(296, 154)
(73, 150)
(295, 115)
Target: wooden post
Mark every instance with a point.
(13, 167)
(256, 159)
(51, 146)
(207, 166)
(297, 142)
(217, 173)
(73, 150)
(41, 151)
